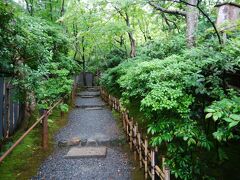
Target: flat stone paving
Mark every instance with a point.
(95, 124)
(86, 152)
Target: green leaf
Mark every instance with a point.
(228, 120)
(232, 124)
(209, 110)
(215, 117)
(208, 115)
(235, 117)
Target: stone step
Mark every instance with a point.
(86, 152)
(90, 106)
(88, 96)
(72, 142)
(94, 108)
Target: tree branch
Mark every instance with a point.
(159, 8)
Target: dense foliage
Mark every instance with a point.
(165, 57)
(35, 53)
(174, 92)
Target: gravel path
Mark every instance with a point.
(97, 124)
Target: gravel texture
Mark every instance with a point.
(88, 124)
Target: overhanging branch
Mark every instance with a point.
(169, 11)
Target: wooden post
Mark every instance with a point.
(146, 157)
(135, 140)
(131, 134)
(127, 129)
(109, 100)
(126, 119)
(114, 103)
(45, 131)
(140, 148)
(153, 164)
(166, 170)
(124, 122)
(119, 106)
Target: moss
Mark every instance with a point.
(25, 159)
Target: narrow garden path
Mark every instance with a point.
(91, 121)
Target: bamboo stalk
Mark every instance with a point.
(153, 164)
(131, 134)
(124, 122)
(135, 140)
(140, 149)
(146, 158)
(159, 172)
(166, 170)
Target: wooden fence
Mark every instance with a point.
(10, 109)
(44, 120)
(148, 157)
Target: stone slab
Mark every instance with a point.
(86, 152)
(90, 106)
(90, 96)
(94, 108)
(72, 142)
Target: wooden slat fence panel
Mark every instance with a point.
(9, 109)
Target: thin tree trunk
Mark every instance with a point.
(132, 44)
(62, 9)
(131, 38)
(84, 63)
(51, 10)
(192, 22)
(31, 7)
(76, 42)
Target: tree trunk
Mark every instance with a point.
(131, 38)
(62, 9)
(75, 32)
(192, 23)
(133, 45)
(51, 9)
(84, 63)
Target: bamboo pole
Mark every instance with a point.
(146, 158)
(166, 170)
(131, 134)
(153, 164)
(140, 148)
(135, 140)
(109, 100)
(124, 122)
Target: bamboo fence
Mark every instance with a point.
(147, 156)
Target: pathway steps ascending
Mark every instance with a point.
(96, 127)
